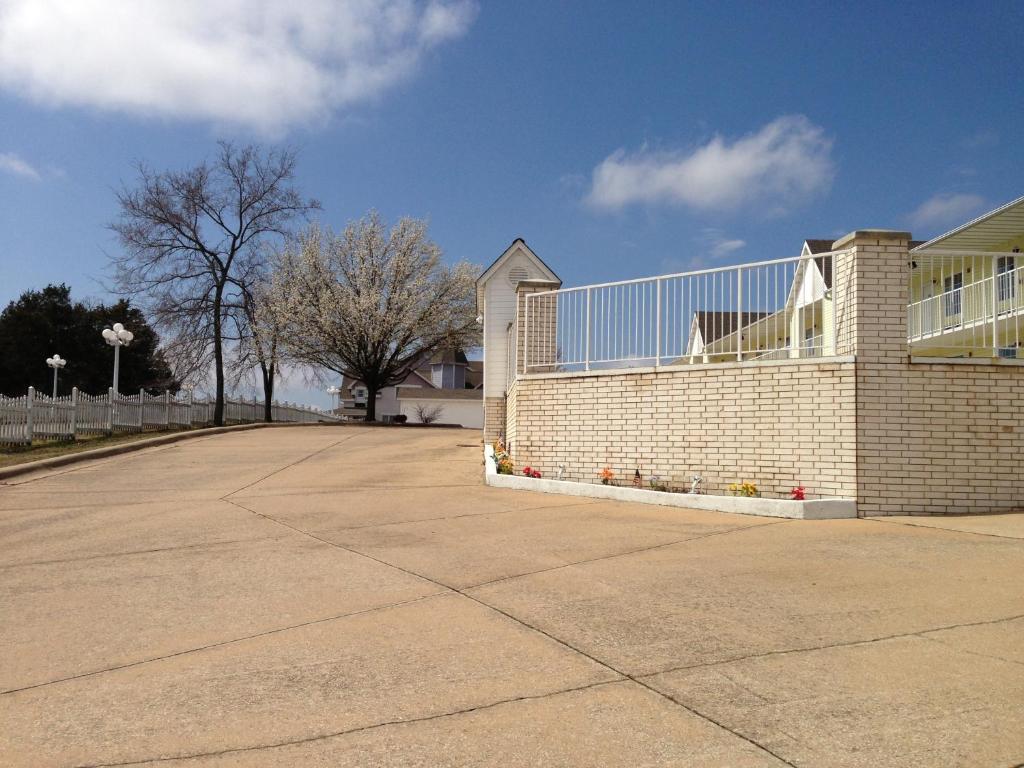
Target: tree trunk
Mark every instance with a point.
(371, 403)
(218, 359)
(268, 392)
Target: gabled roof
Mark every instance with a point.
(983, 233)
(818, 245)
(450, 356)
(713, 325)
(413, 375)
(518, 246)
(813, 245)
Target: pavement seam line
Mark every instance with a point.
(558, 641)
(129, 553)
(358, 729)
(292, 464)
(939, 529)
(449, 517)
(375, 488)
(641, 550)
(341, 547)
(222, 643)
(786, 651)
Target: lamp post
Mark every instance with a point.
(56, 362)
(117, 336)
(335, 392)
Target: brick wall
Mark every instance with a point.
(511, 411)
(775, 425)
(540, 325)
(494, 418)
(940, 438)
(901, 437)
(931, 438)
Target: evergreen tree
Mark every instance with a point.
(41, 323)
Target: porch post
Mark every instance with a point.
(995, 307)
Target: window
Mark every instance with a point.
(952, 291)
(1006, 282)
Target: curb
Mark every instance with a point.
(814, 509)
(138, 445)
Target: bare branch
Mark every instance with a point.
(193, 252)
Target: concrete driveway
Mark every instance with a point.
(351, 596)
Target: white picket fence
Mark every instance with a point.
(36, 416)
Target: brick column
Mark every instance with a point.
(494, 418)
(872, 281)
(539, 322)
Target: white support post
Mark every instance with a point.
(995, 309)
(167, 407)
(110, 410)
(657, 322)
(142, 409)
(587, 353)
(739, 314)
(28, 414)
(835, 282)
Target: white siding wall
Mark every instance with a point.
(468, 413)
(499, 309)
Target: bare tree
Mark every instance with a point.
(258, 341)
(428, 414)
(371, 303)
(192, 238)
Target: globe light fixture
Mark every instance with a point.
(56, 362)
(117, 336)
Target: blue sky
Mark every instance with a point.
(618, 139)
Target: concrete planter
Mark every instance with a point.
(815, 509)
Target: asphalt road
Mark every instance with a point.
(352, 596)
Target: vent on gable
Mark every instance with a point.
(517, 274)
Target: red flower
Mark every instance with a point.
(797, 494)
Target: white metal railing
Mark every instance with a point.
(767, 310)
(35, 416)
(966, 304)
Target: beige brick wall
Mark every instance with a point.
(901, 437)
(940, 438)
(511, 411)
(494, 418)
(930, 438)
(538, 322)
(775, 425)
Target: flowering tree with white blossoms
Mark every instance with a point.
(371, 303)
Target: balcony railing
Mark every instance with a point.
(966, 304)
(782, 309)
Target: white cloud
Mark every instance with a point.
(946, 210)
(12, 164)
(786, 161)
(267, 64)
(719, 245)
